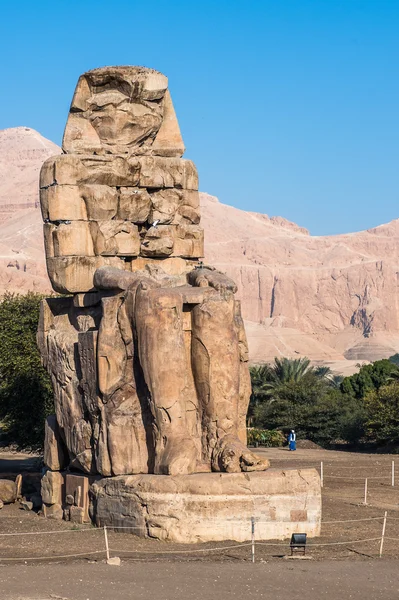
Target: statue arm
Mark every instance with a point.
(110, 278)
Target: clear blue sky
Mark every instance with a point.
(288, 107)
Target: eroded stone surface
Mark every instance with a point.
(211, 507)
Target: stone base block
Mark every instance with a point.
(206, 507)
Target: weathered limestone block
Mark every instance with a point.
(134, 204)
(52, 487)
(189, 241)
(68, 239)
(174, 266)
(189, 214)
(62, 203)
(77, 515)
(72, 274)
(79, 202)
(55, 453)
(77, 486)
(211, 507)
(8, 491)
(146, 171)
(157, 172)
(164, 205)
(158, 241)
(172, 205)
(53, 511)
(73, 169)
(177, 240)
(115, 238)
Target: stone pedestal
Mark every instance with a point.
(208, 507)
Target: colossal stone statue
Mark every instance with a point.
(146, 348)
(147, 353)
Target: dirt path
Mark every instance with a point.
(375, 580)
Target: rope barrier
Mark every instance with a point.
(352, 520)
(350, 477)
(193, 550)
(311, 545)
(51, 532)
(54, 557)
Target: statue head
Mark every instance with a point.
(122, 110)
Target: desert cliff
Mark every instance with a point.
(332, 298)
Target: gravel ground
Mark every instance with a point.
(162, 570)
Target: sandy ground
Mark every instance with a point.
(162, 570)
(374, 580)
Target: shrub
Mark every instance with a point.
(270, 438)
(26, 396)
(382, 423)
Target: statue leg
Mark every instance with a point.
(122, 447)
(222, 384)
(163, 358)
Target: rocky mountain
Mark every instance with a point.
(332, 298)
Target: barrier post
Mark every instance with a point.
(321, 474)
(253, 538)
(106, 541)
(365, 491)
(383, 532)
(393, 473)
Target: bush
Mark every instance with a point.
(382, 423)
(26, 396)
(271, 438)
(369, 378)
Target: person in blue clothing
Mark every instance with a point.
(292, 440)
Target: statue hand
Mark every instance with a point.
(206, 276)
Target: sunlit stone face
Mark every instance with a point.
(115, 111)
(118, 119)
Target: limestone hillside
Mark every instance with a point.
(332, 298)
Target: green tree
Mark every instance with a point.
(382, 422)
(26, 396)
(293, 394)
(369, 378)
(260, 377)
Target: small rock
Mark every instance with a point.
(76, 514)
(115, 561)
(18, 485)
(1, 504)
(53, 511)
(8, 491)
(26, 505)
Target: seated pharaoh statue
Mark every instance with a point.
(146, 347)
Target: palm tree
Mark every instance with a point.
(288, 370)
(260, 376)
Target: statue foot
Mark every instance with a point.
(232, 456)
(179, 457)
